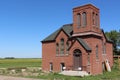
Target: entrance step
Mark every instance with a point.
(75, 73)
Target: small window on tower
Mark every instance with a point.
(97, 21)
(78, 20)
(84, 19)
(93, 18)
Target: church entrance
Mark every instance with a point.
(77, 55)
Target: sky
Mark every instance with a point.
(24, 23)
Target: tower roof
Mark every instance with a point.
(86, 6)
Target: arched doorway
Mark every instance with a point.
(77, 56)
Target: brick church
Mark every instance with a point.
(81, 44)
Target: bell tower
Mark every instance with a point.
(86, 20)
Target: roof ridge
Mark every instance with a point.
(68, 24)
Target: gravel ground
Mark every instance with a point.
(15, 78)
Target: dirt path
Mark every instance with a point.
(15, 78)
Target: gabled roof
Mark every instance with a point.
(66, 28)
(84, 44)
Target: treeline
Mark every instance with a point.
(9, 58)
(114, 36)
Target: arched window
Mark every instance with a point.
(97, 20)
(97, 52)
(77, 52)
(84, 19)
(78, 20)
(93, 18)
(88, 58)
(57, 49)
(67, 47)
(62, 46)
(104, 48)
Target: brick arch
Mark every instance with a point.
(74, 48)
(77, 52)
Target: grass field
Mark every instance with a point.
(20, 62)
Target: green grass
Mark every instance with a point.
(114, 75)
(20, 62)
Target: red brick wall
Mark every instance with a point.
(77, 45)
(96, 64)
(109, 52)
(49, 54)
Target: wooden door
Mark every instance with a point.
(77, 59)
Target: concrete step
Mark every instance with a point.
(75, 73)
